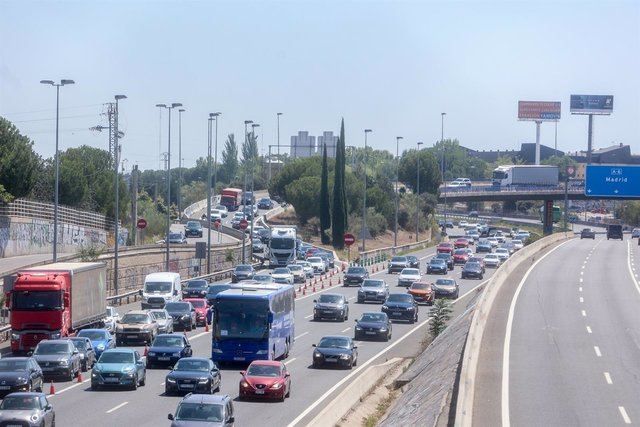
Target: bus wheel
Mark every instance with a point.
(286, 350)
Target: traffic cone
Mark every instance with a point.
(339, 280)
(146, 350)
(206, 326)
(79, 377)
(52, 389)
(304, 290)
(322, 285)
(314, 288)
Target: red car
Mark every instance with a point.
(265, 379)
(444, 247)
(460, 256)
(200, 304)
(461, 243)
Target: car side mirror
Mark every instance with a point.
(170, 416)
(315, 300)
(232, 419)
(175, 292)
(140, 292)
(30, 353)
(48, 407)
(243, 373)
(355, 320)
(346, 302)
(75, 351)
(313, 345)
(287, 375)
(355, 347)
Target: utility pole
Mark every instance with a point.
(134, 204)
(180, 111)
(364, 194)
(444, 181)
(418, 193)
(244, 190)
(209, 194)
(395, 232)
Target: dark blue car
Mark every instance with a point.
(167, 349)
(373, 326)
(401, 307)
(101, 339)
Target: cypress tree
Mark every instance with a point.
(338, 207)
(342, 146)
(325, 212)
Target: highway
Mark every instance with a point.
(569, 350)
(311, 389)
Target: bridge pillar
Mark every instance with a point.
(547, 223)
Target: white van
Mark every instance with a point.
(160, 288)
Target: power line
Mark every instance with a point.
(53, 109)
(64, 117)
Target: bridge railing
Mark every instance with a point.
(520, 189)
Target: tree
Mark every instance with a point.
(325, 208)
(296, 169)
(250, 149)
(429, 173)
(562, 162)
(440, 314)
(19, 164)
(457, 161)
(339, 208)
(229, 168)
(341, 147)
(303, 194)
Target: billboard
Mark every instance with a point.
(591, 104)
(538, 111)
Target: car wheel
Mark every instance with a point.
(289, 391)
(71, 375)
(456, 295)
(412, 320)
(143, 381)
(84, 366)
(360, 301)
(95, 387)
(314, 365)
(134, 386)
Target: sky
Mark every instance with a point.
(390, 66)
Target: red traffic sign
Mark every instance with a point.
(349, 239)
(216, 223)
(142, 223)
(244, 224)
(571, 170)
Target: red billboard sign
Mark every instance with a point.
(538, 111)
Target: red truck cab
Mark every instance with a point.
(230, 198)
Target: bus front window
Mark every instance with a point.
(242, 320)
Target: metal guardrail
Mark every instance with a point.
(44, 211)
(524, 189)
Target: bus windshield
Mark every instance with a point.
(38, 300)
(242, 319)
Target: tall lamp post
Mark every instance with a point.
(253, 165)
(244, 188)
(418, 194)
(116, 162)
(168, 230)
(208, 213)
(443, 152)
(215, 166)
(180, 111)
(364, 193)
(57, 161)
(395, 232)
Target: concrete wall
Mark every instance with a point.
(27, 236)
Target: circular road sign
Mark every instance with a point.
(571, 170)
(142, 223)
(244, 224)
(349, 239)
(216, 223)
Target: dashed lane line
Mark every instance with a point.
(344, 330)
(607, 378)
(597, 350)
(584, 313)
(301, 335)
(589, 331)
(115, 408)
(290, 360)
(624, 415)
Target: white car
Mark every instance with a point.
(111, 319)
(215, 214)
(308, 269)
(500, 236)
(492, 260)
(502, 253)
(223, 210)
(517, 244)
(493, 241)
(408, 276)
(282, 275)
(463, 224)
(463, 181)
(298, 272)
(318, 264)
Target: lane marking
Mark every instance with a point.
(607, 378)
(580, 289)
(581, 299)
(115, 408)
(597, 350)
(584, 313)
(507, 338)
(352, 298)
(301, 335)
(162, 383)
(289, 360)
(581, 280)
(625, 417)
(64, 390)
(309, 316)
(336, 386)
(635, 282)
(589, 330)
(345, 330)
(201, 334)
(581, 273)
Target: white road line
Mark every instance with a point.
(352, 298)
(339, 384)
(309, 316)
(607, 378)
(589, 330)
(289, 361)
(64, 390)
(301, 335)
(115, 408)
(581, 273)
(507, 339)
(580, 289)
(581, 280)
(633, 276)
(345, 330)
(581, 299)
(582, 268)
(597, 350)
(584, 313)
(162, 383)
(625, 417)
(201, 334)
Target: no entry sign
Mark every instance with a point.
(349, 239)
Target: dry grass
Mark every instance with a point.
(381, 409)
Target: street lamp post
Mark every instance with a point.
(215, 168)
(443, 152)
(116, 161)
(418, 194)
(208, 213)
(395, 232)
(244, 189)
(364, 193)
(57, 161)
(168, 230)
(180, 111)
(253, 165)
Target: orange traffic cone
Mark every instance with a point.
(52, 389)
(206, 326)
(314, 288)
(146, 350)
(79, 377)
(304, 290)
(339, 280)
(322, 285)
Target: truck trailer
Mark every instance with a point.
(523, 175)
(230, 198)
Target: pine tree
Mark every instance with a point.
(338, 207)
(325, 212)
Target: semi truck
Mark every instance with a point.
(53, 301)
(282, 246)
(230, 198)
(522, 175)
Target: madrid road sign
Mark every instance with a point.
(612, 181)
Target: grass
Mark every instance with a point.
(382, 407)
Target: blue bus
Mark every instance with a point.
(253, 322)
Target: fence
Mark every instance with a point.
(39, 210)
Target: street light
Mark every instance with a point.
(443, 151)
(395, 232)
(278, 117)
(116, 163)
(57, 161)
(168, 107)
(244, 187)
(253, 165)
(418, 193)
(180, 111)
(364, 195)
(212, 116)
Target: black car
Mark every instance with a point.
(397, 264)
(355, 276)
(193, 229)
(587, 233)
(373, 325)
(413, 261)
(472, 270)
(265, 203)
(193, 375)
(437, 266)
(248, 198)
(215, 289)
(183, 314)
(614, 231)
(265, 235)
(331, 306)
(446, 288)
(447, 258)
(248, 212)
(20, 374)
(87, 353)
(242, 272)
(335, 350)
(167, 349)
(196, 288)
(401, 307)
(257, 246)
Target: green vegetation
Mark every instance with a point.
(629, 212)
(19, 164)
(339, 207)
(441, 314)
(325, 208)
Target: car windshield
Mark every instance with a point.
(191, 364)
(265, 200)
(516, 242)
(334, 342)
(263, 371)
(373, 317)
(443, 256)
(373, 283)
(410, 272)
(491, 256)
(460, 252)
(188, 411)
(135, 319)
(38, 300)
(243, 268)
(20, 403)
(79, 344)
(356, 270)
(294, 267)
(44, 349)
(282, 243)
(177, 306)
(159, 314)
(333, 299)
(198, 303)
(168, 341)
(116, 357)
(158, 286)
(197, 284)
(111, 311)
(472, 265)
(193, 224)
(399, 259)
(420, 286)
(262, 278)
(315, 259)
(175, 236)
(8, 365)
(438, 261)
(445, 245)
(445, 282)
(400, 298)
(281, 270)
(94, 335)
(502, 250)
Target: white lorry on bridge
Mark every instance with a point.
(523, 175)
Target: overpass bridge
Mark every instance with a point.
(488, 193)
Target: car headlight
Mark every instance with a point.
(317, 354)
(55, 335)
(34, 417)
(128, 369)
(344, 356)
(216, 350)
(409, 308)
(21, 380)
(100, 347)
(15, 336)
(261, 352)
(244, 384)
(171, 381)
(360, 291)
(94, 373)
(358, 328)
(81, 356)
(276, 386)
(383, 329)
(203, 380)
(176, 354)
(64, 362)
(185, 317)
(385, 307)
(151, 353)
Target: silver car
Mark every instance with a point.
(112, 318)
(27, 409)
(164, 320)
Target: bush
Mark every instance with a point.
(376, 223)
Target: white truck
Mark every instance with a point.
(508, 175)
(282, 246)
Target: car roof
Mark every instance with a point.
(27, 393)
(137, 312)
(335, 295)
(58, 341)
(119, 350)
(335, 336)
(20, 358)
(194, 299)
(93, 330)
(168, 335)
(266, 363)
(206, 398)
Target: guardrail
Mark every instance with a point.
(44, 211)
(525, 189)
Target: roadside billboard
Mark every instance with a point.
(591, 104)
(538, 110)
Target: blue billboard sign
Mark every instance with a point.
(591, 104)
(612, 181)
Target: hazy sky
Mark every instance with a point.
(391, 66)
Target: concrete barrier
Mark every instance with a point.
(466, 385)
